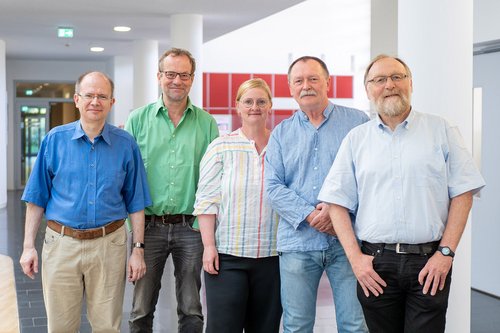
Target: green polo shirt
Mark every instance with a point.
(171, 154)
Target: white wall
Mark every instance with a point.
(3, 128)
(486, 22)
(338, 31)
(486, 226)
(38, 70)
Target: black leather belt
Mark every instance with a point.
(401, 248)
(168, 218)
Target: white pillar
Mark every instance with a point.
(435, 39)
(3, 127)
(124, 89)
(145, 69)
(186, 32)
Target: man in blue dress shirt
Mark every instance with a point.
(410, 179)
(300, 151)
(87, 178)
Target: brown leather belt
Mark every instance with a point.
(85, 233)
(168, 218)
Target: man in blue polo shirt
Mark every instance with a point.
(87, 178)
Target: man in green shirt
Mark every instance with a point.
(172, 135)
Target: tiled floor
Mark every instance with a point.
(485, 309)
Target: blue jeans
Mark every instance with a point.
(300, 276)
(184, 243)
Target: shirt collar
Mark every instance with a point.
(79, 133)
(326, 112)
(405, 124)
(161, 106)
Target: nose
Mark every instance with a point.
(389, 84)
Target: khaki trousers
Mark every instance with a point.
(72, 269)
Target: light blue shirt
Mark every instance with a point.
(86, 185)
(401, 183)
(298, 158)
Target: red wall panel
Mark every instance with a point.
(219, 90)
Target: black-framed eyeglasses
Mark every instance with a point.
(172, 75)
(249, 102)
(381, 80)
(90, 97)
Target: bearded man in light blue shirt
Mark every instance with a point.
(410, 179)
(300, 152)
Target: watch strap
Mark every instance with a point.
(138, 244)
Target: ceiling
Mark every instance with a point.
(29, 28)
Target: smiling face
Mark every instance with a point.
(391, 99)
(254, 106)
(94, 98)
(175, 90)
(309, 85)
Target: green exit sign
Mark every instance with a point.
(65, 32)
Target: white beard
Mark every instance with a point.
(393, 107)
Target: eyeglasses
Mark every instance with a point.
(90, 97)
(381, 80)
(172, 75)
(248, 103)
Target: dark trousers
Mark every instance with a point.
(403, 308)
(184, 243)
(244, 295)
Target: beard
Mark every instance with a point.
(393, 107)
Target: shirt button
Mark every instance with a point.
(92, 148)
(314, 187)
(172, 151)
(171, 199)
(173, 135)
(315, 168)
(91, 202)
(92, 165)
(171, 167)
(316, 148)
(172, 183)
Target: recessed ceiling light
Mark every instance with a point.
(65, 32)
(121, 29)
(96, 49)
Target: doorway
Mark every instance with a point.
(37, 119)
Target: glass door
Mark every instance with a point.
(33, 129)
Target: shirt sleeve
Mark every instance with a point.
(39, 185)
(208, 195)
(135, 189)
(463, 174)
(340, 186)
(289, 205)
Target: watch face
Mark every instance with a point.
(445, 251)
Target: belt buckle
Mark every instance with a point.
(163, 219)
(398, 249)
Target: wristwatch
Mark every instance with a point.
(138, 244)
(446, 251)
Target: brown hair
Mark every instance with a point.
(178, 52)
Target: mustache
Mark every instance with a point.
(309, 92)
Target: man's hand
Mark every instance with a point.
(320, 219)
(136, 266)
(370, 281)
(433, 275)
(211, 260)
(29, 262)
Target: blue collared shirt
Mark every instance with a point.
(401, 182)
(298, 158)
(86, 185)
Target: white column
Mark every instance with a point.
(124, 89)
(145, 65)
(3, 127)
(186, 32)
(435, 39)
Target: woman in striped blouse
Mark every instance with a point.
(237, 223)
